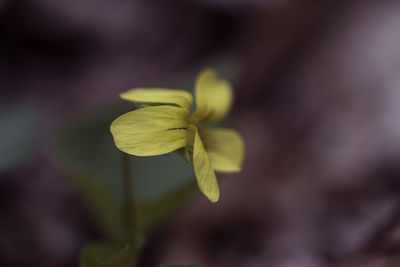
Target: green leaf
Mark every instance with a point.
(150, 214)
(104, 255)
(18, 135)
(85, 150)
(178, 265)
(93, 254)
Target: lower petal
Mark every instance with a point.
(205, 175)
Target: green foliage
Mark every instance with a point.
(104, 255)
(178, 265)
(18, 135)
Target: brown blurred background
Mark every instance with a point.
(317, 92)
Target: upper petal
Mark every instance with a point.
(205, 175)
(214, 97)
(150, 131)
(225, 149)
(160, 96)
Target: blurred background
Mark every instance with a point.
(317, 92)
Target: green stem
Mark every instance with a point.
(128, 219)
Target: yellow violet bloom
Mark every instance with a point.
(165, 125)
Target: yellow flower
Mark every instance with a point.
(166, 125)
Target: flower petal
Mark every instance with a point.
(150, 131)
(214, 98)
(205, 175)
(225, 149)
(160, 96)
